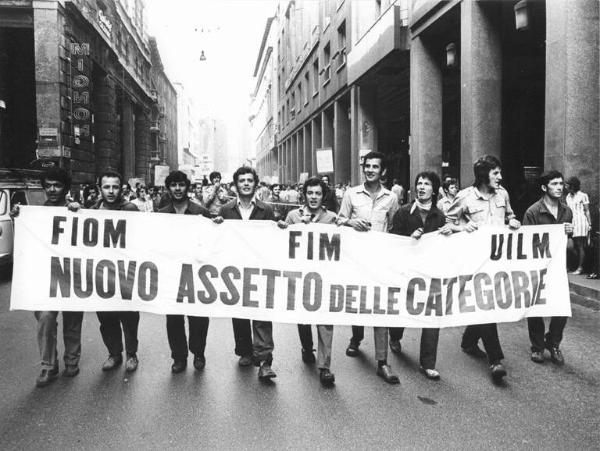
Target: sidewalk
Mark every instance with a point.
(585, 292)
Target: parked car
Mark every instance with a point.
(18, 188)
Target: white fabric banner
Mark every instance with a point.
(315, 274)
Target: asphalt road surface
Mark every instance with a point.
(227, 407)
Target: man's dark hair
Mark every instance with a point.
(112, 174)
(548, 176)
(177, 176)
(314, 181)
(57, 174)
(574, 183)
(213, 175)
(435, 183)
(482, 168)
(245, 170)
(375, 154)
(275, 185)
(447, 183)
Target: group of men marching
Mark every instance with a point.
(366, 207)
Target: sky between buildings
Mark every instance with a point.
(229, 32)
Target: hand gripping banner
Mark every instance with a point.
(312, 274)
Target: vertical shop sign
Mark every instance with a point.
(80, 85)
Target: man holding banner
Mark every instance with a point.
(111, 322)
(178, 184)
(484, 203)
(314, 212)
(56, 183)
(248, 208)
(414, 220)
(371, 206)
(548, 210)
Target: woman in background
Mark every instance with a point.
(579, 204)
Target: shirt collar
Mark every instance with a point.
(252, 202)
(383, 191)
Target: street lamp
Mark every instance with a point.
(522, 13)
(451, 55)
(202, 57)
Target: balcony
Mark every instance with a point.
(154, 127)
(387, 34)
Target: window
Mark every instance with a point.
(342, 44)
(316, 77)
(327, 62)
(299, 96)
(306, 83)
(293, 108)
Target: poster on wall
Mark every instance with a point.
(324, 160)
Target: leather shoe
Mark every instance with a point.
(327, 378)
(132, 363)
(537, 356)
(178, 366)
(308, 356)
(498, 371)
(556, 356)
(395, 346)
(430, 373)
(474, 351)
(112, 362)
(265, 371)
(71, 371)
(199, 362)
(385, 372)
(352, 349)
(46, 376)
(245, 360)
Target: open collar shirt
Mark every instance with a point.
(379, 211)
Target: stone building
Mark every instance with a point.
(435, 84)
(79, 85)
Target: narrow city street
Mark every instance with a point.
(226, 407)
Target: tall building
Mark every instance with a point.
(75, 77)
(435, 84)
(188, 150)
(163, 143)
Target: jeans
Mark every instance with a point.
(553, 337)
(489, 336)
(325, 334)
(381, 340)
(47, 326)
(429, 344)
(262, 347)
(110, 328)
(198, 326)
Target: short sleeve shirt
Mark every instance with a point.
(471, 205)
(358, 203)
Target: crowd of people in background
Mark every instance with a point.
(374, 205)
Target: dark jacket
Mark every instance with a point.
(405, 222)
(260, 211)
(330, 201)
(123, 205)
(192, 209)
(538, 214)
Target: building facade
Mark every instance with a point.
(78, 83)
(435, 84)
(163, 143)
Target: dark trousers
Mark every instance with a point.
(110, 328)
(429, 344)
(198, 326)
(489, 336)
(261, 349)
(553, 337)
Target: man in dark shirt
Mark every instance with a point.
(56, 183)
(110, 322)
(246, 207)
(548, 210)
(414, 220)
(178, 184)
